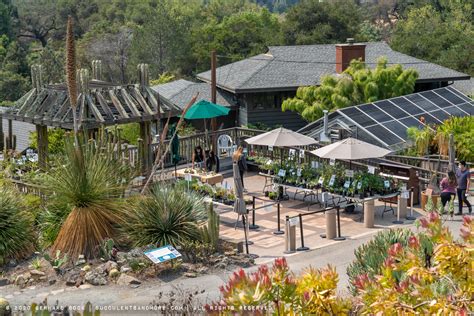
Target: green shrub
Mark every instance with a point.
(371, 255)
(50, 221)
(56, 138)
(169, 215)
(16, 230)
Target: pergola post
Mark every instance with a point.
(146, 153)
(42, 142)
(2, 136)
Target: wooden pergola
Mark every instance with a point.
(99, 103)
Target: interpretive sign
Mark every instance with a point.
(162, 254)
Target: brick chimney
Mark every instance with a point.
(347, 52)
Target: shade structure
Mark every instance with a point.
(281, 137)
(205, 110)
(350, 149)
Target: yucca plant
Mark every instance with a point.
(371, 255)
(16, 227)
(168, 215)
(90, 179)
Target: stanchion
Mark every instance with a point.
(411, 217)
(278, 231)
(253, 226)
(399, 207)
(290, 238)
(339, 237)
(246, 232)
(302, 248)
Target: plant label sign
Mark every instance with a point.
(359, 185)
(347, 184)
(349, 173)
(281, 172)
(332, 161)
(405, 195)
(294, 221)
(162, 254)
(371, 169)
(314, 164)
(321, 180)
(386, 184)
(298, 172)
(187, 177)
(292, 153)
(332, 180)
(302, 153)
(270, 148)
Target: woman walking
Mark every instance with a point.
(463, 176)
(448, 188)
(239, 158)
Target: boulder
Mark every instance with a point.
(4, 307)
(114, 273)
(3, 281)
(125, 269)
(127, 280)
(20, 280)
(36, 274)
(190, 274)
(110, 265)
(75, 278)
(95, 278)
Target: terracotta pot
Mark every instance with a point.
(424, 199)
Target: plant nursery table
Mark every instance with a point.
(208, 178)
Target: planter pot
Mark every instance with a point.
(266, 193)
(424, 199)
(349, 209)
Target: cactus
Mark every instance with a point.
(106, 249)
(57, 262)
(210, 232)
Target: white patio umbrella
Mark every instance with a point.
(350, 149)
(281, 137)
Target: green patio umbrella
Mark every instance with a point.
(205, 110)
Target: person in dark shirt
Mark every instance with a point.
(463, 176)
(239, 158)
(198, 157)
(212, 161)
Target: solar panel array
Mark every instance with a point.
(388, 120)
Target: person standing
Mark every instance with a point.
(463, 176)
(239, 158)
(212, 161)
(198, 157)
(448, 187)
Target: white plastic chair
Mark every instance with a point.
(224, 146)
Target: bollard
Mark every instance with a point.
(330, 224)
(411, 217)
(278, 231)
(290, 238)
(253, 226)
(339, 237)
(369, 214)
(303, 247)
(401, 210)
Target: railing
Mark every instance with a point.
(28, 188)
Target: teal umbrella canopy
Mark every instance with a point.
(205, 110)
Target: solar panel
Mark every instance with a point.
(440, 115)
(454, 110)
(375, 113)
(391, 109)
(429, 119)
(397, 128)
(456, 92)
(467, 107)
(384, 135)
(422, 102)
(358, 117)
(407, 106)
(451, 97)
(433, 97)
(411, 122)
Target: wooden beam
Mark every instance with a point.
(128, 100)
(55, 107)
(62, 110)
(29, 99)
(118, 105)
(105, 106)
(146, 152)
(152, 99)
(95, 110)
(42, 141)
(138, 96)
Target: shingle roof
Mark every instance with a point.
(22, 131)
(465, 86)
(289, 67)
(179, 92)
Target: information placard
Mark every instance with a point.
(294, 221)
(349, 173)
(292, 153)
(347, 184)
(282, 173)
(301, 153)
(359, 185)
(386, 184)
(332, 180)
(188, 177)
(332, 161)
(371, 169)
(162, 254)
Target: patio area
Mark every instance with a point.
(268, 245)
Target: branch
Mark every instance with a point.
(159, 160)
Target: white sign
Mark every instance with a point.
(270, 148)
(347, 184)
(292, 153)
(298, 172)
(314, 164)
(282, 173)
(188, 177)
(359, 185)
(321, 180)
(325, 197)
(294, 221)
(332, 180)
(405, 195)
(386, 183)
(332, 161)
(162, 254)
(302, 153)
(371, 169)
(349, 173)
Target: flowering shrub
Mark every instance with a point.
(278, 291)
(408, 285)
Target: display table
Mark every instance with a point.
(208, 178)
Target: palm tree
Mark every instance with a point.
(90, 179)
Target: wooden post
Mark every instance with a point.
(42, 143)
(2, 135)
(10, 135)
(213, 96)
(146, 153)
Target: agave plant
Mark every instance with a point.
(168, 215)
(16, 230)
(89, 179)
